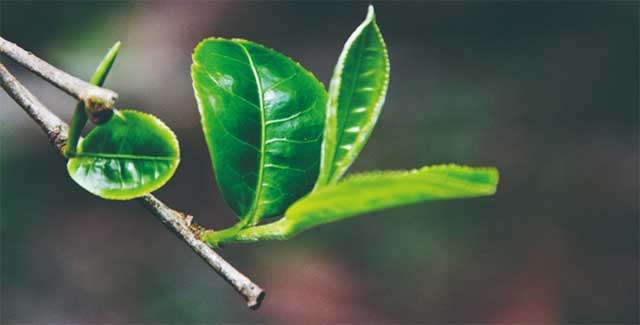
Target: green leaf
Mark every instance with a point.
(132, 154)
(262, 115)
(367, 192)
(374, 191)
(356, 95)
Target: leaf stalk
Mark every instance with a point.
(278, 230)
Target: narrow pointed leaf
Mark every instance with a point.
(262, 117)
(79, 119)
(132, 154)
(356, 95)
(102, 71)
(369, 192)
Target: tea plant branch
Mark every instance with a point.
(179, 223)
(182, 225)
(90, 94)
(51, 124)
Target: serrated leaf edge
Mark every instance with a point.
(327, 177)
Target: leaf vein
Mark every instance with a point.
(292, 116)
(232, 94)
(279, 82)
(123, 156)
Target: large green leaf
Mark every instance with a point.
(262, 117)
(368, 192)
(356, 95)
(132, 154)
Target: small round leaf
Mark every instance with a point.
(131, 155)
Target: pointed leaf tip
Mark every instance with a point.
(103, 69)
(371, 13)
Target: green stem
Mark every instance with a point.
(79, 119)
(278, 230)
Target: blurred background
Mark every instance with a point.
(547, 92)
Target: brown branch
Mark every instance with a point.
(178, 222)
(90, 94)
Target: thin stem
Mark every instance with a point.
(89, 94)
(78, 121)
(277, 230)
(178, 222)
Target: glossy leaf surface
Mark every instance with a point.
(374, 191)
(356, 95)
(132, 154)
(262, 115)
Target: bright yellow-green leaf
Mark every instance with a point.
(132, 154)
(369, 192)
(374, 191)
(362, 193)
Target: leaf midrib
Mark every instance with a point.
(123, 156)
(251, 215)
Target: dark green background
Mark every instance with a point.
(546, 92)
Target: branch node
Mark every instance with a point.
(98, 111)
(196, 229)
(188, 218)
(73, 86)
(58, 137)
